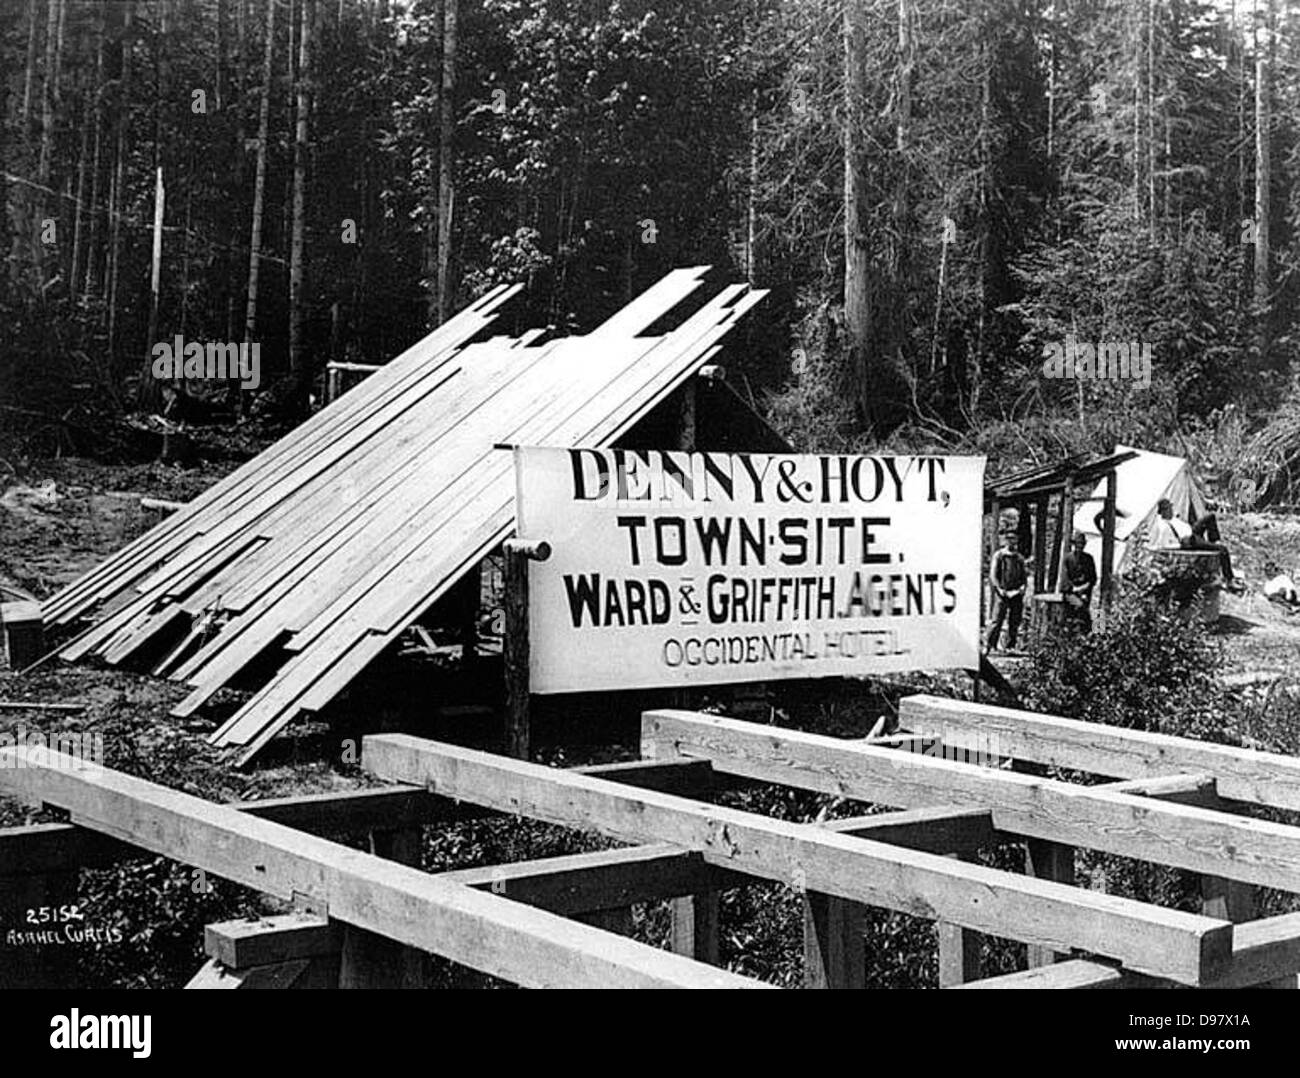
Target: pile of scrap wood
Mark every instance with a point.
(304, 565)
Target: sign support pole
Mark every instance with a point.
(518, 553)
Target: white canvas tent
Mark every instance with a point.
(1140, 483)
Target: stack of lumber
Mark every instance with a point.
(311, 559)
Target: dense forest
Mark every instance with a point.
(937, 193)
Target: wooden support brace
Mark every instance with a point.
(482, 931)
(370, 960)
(833, 946)
(1093, 817)
(1168, 943)
(694, 930)
(959, 954)
(1048, 861)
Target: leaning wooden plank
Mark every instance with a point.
(303, 441)
(506, 939)
(1176, 945)
(1183, 836)
(1243, 774)
(409, 568)
(1262, 951)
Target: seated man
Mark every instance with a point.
(1077, 584)
(1280, 588)
(1168, 532)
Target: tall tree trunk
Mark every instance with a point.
(857, 299)
(92, 242)
(48, 89)
(235, 188)
(446, 130)
(148, 393)
(29, 77)
(1263, 48)
(87, 122)
(297, 363)
(751, 193)
(432, 194)
(259, 182)
(1151, 116)
(117, 201)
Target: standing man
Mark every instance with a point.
(1007, 576)
(1077, 584)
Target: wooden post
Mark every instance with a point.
(24, 633)
(1048, 861)
(695, 926)
(1232, 900)
(373, 961)
(834, 950)
(518, 553)
(1108, 543)
(988, 544)
(471, 587)
(1059, 547)
(959, 952)
(1040, 544)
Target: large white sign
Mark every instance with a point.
(697, 568)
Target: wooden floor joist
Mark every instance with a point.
(1261, 778)
(481, 930)
(38, 849)
(1262, 951)
(1094, 817)
(1178, 946)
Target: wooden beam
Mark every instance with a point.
(479, 930)
(1184, 836)
(1262, 951)
(280, 938)
(1176, 945)
(36, 849)
(1261, 778)
(934, 830)
(608, 879)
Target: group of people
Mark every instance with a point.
(1009, 572)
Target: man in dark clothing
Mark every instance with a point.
(1169, 532)
(1077, 584)
(1007, 576)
